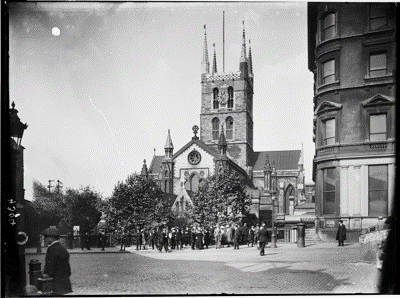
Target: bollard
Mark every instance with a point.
(45, 285)
(301, 231)
(34, 272)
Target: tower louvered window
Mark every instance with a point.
(215, 128)
(229, 128)
(230, 98)
(215, 98)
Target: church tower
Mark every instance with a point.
(227, 103)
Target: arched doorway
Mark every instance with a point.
(290, 191)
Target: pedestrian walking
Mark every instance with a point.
(257, 236)
(244, 234)
(178, 238)
(237, 236)
(169, 233)
(85, 241)
(250, 239)
(70, 239)
(138, 239)
(217, 236)
(144, 238)
(228, 235)
(123, 240)
(102, 239)
(57, 264)
(223, 236)
(193, 237)
(341, 233)
(263, 234)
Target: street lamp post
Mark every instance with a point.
(15, 205)
(274, 192)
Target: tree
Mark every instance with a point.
(136, 201)
(74, 207)
(220, 198)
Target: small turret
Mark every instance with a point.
(144, 172)
(169, 147)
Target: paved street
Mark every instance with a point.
(322, 268)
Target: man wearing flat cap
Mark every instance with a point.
(57, 262)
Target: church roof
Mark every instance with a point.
(155, 165)
(284, 160)
(199, 143)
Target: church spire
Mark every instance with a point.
(243, 57)
(168, 146)
(205, 63)
(250, 60)
(214, 68)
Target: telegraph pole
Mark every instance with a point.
(50, 185)
(58, 186)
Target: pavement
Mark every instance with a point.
(288, 269)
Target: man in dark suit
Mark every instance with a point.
(341, 233)
(263, 234)
(57, 262)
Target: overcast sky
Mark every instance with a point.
(101, 93)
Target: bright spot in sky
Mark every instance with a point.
(55, 31)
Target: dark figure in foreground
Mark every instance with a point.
(341, 233)
(57, 262)
(263, 239)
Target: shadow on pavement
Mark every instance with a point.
(309, 281)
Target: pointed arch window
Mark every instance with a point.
(215, 128)
(230, 97)
(229, 128)
(194, 183)
(215, 98)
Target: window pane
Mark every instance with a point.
(377, 61)
(330, 128)
(329, 20)
(329, 179)
(380, 137)
(378, 23)
(377, 124)
(329, 203)
(329, 68)
(378, 203)
(377, 177)
(329, 33)
(378, 11)
(377, 73)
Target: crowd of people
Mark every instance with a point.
(166, 239)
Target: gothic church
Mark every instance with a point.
(226, 143)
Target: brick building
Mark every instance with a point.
(352, 53)
(225, 142)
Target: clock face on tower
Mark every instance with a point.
(194, 157)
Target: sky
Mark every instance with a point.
(100, 92)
